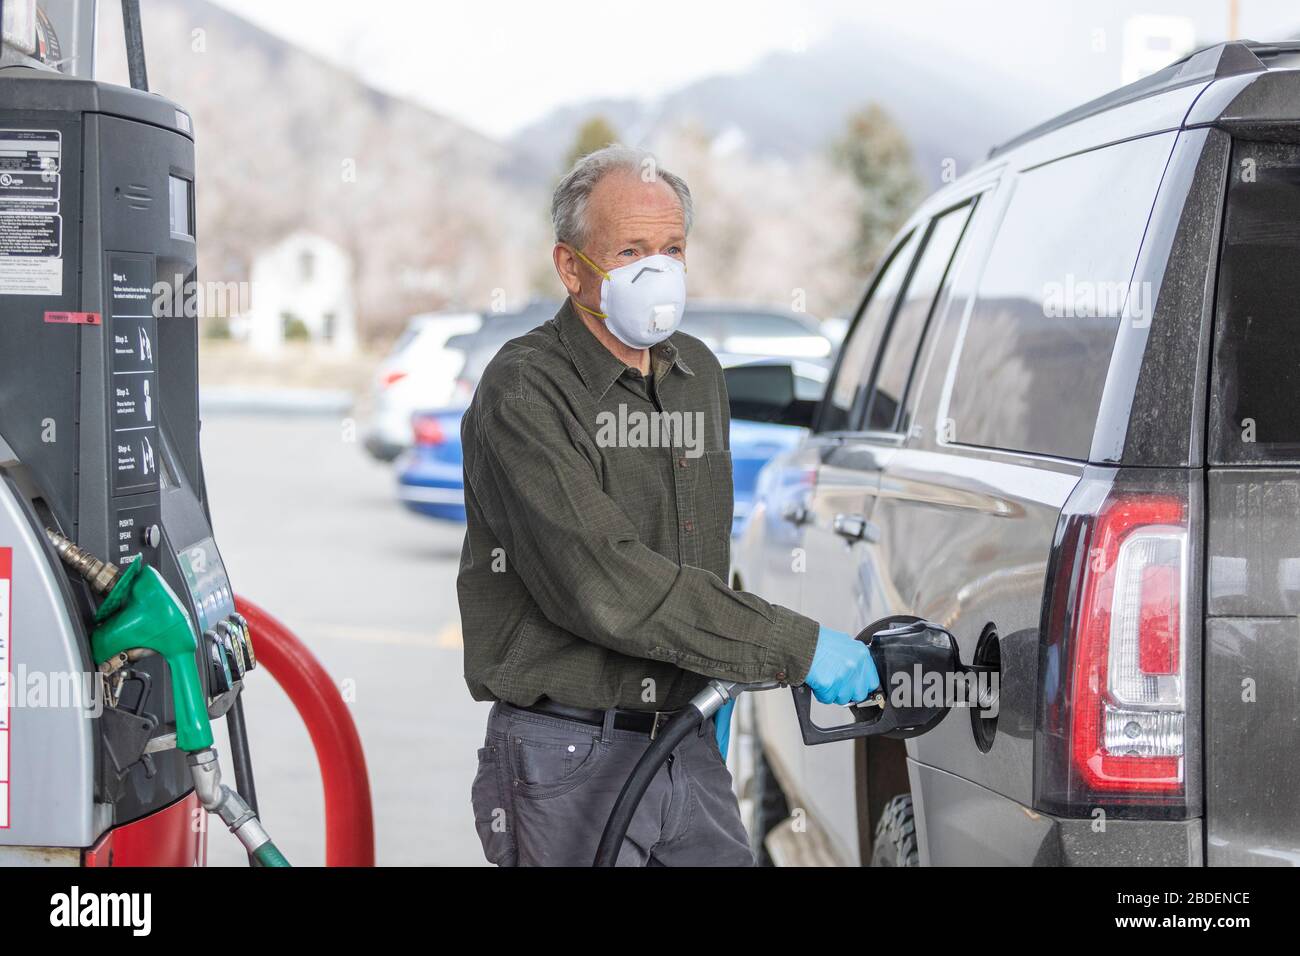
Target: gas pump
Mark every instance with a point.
(119, 636)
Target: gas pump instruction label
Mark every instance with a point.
(133, 385)
(31, 226)
(6, 580)
(130, 540)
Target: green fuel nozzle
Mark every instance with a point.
(140, 612)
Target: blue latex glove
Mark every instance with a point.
(842, 670)
(722, 726)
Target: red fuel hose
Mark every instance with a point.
(349, 819)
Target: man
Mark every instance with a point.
(593, 580)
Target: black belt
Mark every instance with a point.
(639, 721)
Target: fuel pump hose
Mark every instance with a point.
(686, 721)
(227, 804)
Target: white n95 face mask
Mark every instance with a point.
(642, 302)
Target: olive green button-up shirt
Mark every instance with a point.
(597, 549)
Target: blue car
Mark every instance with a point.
(753, 445)
(431, 478)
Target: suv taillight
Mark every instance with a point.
(1128, 719)
(1117, 706)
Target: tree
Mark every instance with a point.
(596, 133)
(876, 155)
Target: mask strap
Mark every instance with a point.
(599, 315)
(603, 274)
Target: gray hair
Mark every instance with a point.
(569, 204)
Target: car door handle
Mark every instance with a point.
(856, 528)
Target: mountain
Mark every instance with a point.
(789, 104)
(434, 214)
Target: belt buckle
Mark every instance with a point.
(654, 724)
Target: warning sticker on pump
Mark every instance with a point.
(28, 187)
(31, 227)
(6, 577)
(27, 234)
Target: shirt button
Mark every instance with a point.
(780, 675)
(682, 462)
(690, 526)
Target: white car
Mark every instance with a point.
(420, 373)
(743, 330)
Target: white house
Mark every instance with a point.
(302, 289)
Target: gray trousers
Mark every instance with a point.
(545, 786)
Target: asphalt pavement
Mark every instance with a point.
(310, 528)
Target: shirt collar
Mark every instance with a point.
(598, 367)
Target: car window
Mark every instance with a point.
(846, 393)
(1257, 350)
(1033, 357)
(898, 357)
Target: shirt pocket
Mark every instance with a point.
(715, 501)
(640, 481)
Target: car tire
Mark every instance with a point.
(382, 450)
(770, 809)
(895, 841)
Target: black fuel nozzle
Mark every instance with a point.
(915, 660)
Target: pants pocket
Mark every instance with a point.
(491, 814)
(547, 768)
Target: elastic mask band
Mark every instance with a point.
(599, 315)
(603, 273)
